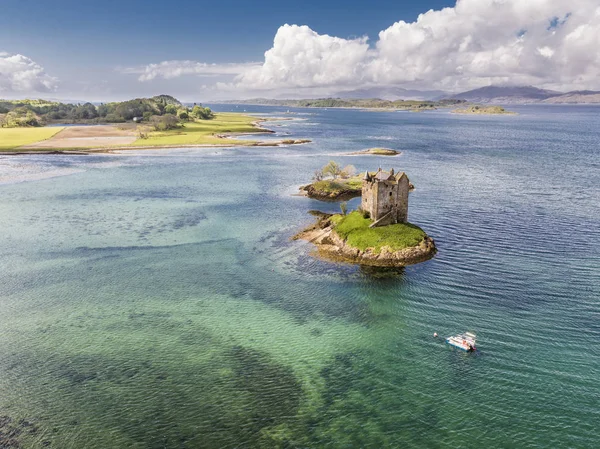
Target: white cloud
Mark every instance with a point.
(19, 73)
(480, 42)
(301, 57)
(548, 43)
(475, 43)
(175, 69)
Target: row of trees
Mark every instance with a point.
(20, 117)
(39, 112)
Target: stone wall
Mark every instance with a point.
(402, 199)
(382, 197)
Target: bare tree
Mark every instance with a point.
(348, 171)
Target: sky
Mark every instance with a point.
(203, 51)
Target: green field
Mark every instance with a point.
(203, 132)
(338, 185)
(11, 138)
(354, 228)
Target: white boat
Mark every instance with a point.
(465, 341)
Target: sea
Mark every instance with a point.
(155, 298)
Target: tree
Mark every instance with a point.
(344, 207)
(348, 171)
(21, 117)
(318, 176)
(202, 113)
(332, 169)
(165, 122)
(171, 109)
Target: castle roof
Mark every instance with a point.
(382, 175)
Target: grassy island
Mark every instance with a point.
(334, 187)
(487, 110)
(378, 152)
(354, 229)
(334, 183)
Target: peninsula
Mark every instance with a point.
(378, 234)
(143, 123)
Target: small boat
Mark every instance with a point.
(465, 341)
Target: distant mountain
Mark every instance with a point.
(507, 95)
(576, 97)
(392, 94)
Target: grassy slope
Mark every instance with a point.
(11, 138)
(338, 185)
(355, 230)
(202, 132)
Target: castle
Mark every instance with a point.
(385, 197)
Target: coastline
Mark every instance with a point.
(43, 147)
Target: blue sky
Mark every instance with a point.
(101, 50)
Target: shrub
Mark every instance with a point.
(165, 122)
(344, 207)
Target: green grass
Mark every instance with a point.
(11, 138)
(338, 185)
(203, 132)
(354, 228)
(383, 151)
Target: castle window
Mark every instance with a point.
(390, 194)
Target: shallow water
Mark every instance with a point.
(154, 299)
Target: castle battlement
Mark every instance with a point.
(385, 197)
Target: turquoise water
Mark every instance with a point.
(154, 299)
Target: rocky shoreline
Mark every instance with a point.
(340, 195)
(332, 247)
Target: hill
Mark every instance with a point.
(576, 97)
(393, 93)
(360, 103)
(24, 113)
(507, 95)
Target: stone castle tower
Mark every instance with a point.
(385, 197)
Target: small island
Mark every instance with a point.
(378, 234)
(378, 152)
(483, 110)
(334, 183)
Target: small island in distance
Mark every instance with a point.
(483, 110)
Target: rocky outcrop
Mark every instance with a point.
(337, 195)
(331, 246)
